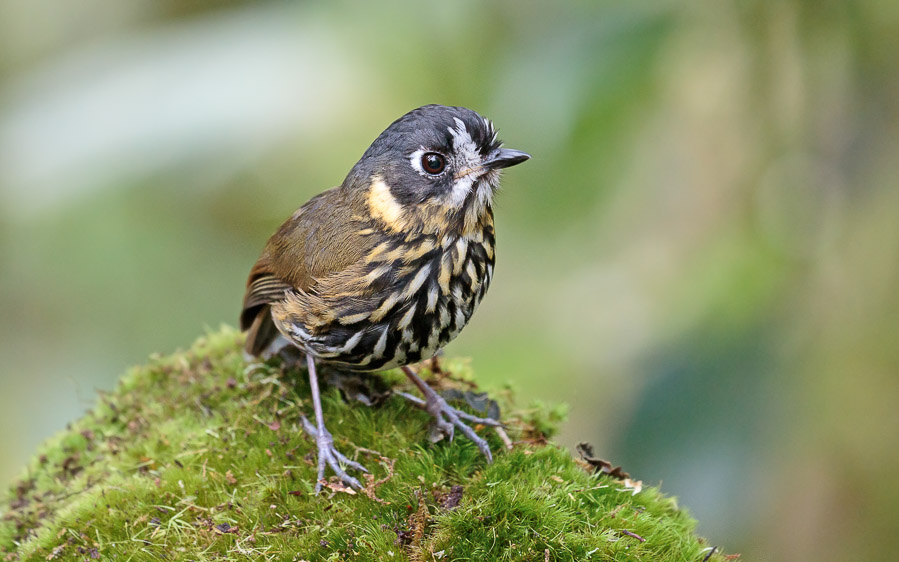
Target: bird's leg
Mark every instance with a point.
(445, 416)
(327, 454)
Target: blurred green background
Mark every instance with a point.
(701, 259)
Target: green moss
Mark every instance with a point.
(199, 455)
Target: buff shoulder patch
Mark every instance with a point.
(384, 206)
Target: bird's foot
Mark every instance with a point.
(330, 456)
(447, 418)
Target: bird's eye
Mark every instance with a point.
(433, 163)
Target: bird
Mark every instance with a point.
(386, 268)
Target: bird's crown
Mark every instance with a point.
(435, 168)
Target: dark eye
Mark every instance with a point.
(433, 163)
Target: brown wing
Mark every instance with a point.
(320, 239)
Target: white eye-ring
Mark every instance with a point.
(433, 163)
(428, 162)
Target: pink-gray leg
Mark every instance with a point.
(446, 416)
(327, 454)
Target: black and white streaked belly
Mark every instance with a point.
(425, 307)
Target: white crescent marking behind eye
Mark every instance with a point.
(415, 160)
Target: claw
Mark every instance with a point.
(462, 415)
(446, 417)
(329, 456)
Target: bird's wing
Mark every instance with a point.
(323, 238)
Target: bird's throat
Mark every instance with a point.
(431, 217)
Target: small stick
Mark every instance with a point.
(504, 437)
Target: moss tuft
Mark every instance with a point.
(200, 455)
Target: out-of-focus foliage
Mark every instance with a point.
(701, 259)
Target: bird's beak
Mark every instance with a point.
(503, 158)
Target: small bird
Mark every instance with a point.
(385, 269)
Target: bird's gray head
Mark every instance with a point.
(437, 162)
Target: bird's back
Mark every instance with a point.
(319, 239)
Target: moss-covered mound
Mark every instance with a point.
(200, 456)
